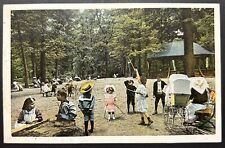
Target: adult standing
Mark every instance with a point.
(158, 93)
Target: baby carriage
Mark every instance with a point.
(177, 96)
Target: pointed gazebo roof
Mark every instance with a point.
(176, 49)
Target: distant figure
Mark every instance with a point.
(158, 87)
(39, 81)
(142, 96)
(130, 94)
(110, 99)
(70, 87)
(42, 88)
(36, 83)
(86, 105)
(67, 109)
(54, 86)
(46, 89)
(29, 113)
(16, 86)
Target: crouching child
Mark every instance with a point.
(86, 105)
(29, 113)
(67, 109)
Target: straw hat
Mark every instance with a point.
(86, 86)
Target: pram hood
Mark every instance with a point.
(179, 84)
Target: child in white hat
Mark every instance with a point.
(110, 99)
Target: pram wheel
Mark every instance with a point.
(169, 115)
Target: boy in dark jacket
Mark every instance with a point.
(130, 94)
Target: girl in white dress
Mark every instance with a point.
(142, 96)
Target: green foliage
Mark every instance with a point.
(99, 41)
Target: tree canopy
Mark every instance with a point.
(55, 43)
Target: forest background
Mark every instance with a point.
(98, 42)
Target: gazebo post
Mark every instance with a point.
(174, 65)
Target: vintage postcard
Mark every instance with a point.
(112, 73)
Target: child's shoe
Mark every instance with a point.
(113, 117)
(142, 121)
(109, 118)
(149, 121)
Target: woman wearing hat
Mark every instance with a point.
(86, 105)
(199, 96)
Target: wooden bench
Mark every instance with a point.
(205, 115)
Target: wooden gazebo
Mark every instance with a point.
(170, 60)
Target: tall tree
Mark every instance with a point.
(18, 17)
(189, 65)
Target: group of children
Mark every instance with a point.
(67, 110)
(86, 103)
(48, 89)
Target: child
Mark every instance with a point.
(142, 96)
(46, 89)
(67, 110)
(29, 113)
(110, 99)
(42, 88)
(54, 86)
(70, 87)
(86, 105)
(130, 94)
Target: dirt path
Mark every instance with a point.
(124, 125)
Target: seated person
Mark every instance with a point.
(67, 109)
(199, 96)
(29, 113)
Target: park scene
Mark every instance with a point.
(140, 71)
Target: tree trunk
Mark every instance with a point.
(56, 68)
(149, 69)
(26, 74)
(42, 66)
(42, 53)
(139, 64)
(145, 66)
(33, 56)
(189, 61)
(106, 62)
